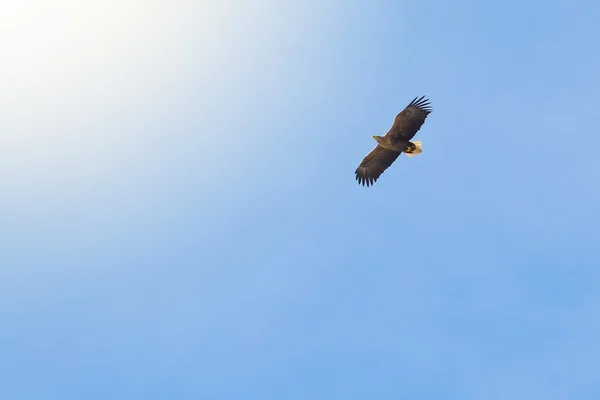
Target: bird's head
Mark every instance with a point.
(377, 138)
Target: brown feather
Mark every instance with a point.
(408, 122)
(373, 165)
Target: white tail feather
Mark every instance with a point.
(418, 149)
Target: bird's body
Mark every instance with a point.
(391, 143)
(395, 142)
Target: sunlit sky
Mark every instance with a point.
(180, 217)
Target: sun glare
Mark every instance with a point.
(79, 78)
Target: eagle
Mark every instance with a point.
(396, 141)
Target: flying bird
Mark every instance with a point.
(395, 142)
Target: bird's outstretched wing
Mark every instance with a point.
(408, 122)
(373, 165)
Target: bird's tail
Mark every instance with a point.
(418, 149)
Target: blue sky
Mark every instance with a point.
(180, 217)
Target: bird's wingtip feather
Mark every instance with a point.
(421, 102)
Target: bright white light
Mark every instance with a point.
(83, 81)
